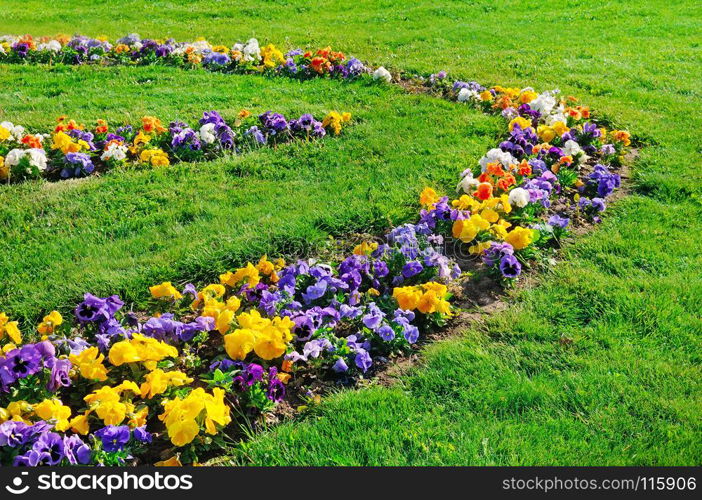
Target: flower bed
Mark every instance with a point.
(241, 58)
(71, 150)
(120, 387)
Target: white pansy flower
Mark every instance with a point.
(116, 152)
(16, 131)
(382, 74)
(251, 50)
(51, 45)
(571, 148)
(465, 95)
(556, 117)
(468, 182)
(519, 197)
(544, 103)
(9, 39)
(37, 158)
(13, 157)
(207, 134)
(497, 155)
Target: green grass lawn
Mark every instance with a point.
(128, 230)
(626, 391)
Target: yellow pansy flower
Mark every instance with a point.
(155, 157)
(50, 322)
(10, 329)
(365, 248)
(467, 229)
(174, 461)
(239, 343)
(248, 274)
(141, 349)
(89, 364)
(79, 424)
(54, 410)
(428, 197)
(158, 381)
(519, 237)
(521, 121)
(165, 291)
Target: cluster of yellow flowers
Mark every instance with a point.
(427, 298)
(222, 312)
(269, 339)
(365, 248)
(272, 56)
(50, 322)
(49, 410)
(184, 417)
(251, 275)
(112, 405)
(157, 382)
(334, 120)
(165, 291)
(621, 136)
(67, 144)
(9, 329)
(486, 216)
(154, 157)
(140, 348)
(89, 363)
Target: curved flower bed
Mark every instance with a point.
(71, 150)
(122, 387)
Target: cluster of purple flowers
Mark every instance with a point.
(166, 328)
(590, 131)
(603, 181)
(274, 124)
(541, 188)
(501, 256)
(307, 124)
(215, 135)
(473, 86)
(592, 207)
(321, 299)
(35, 444)
(214, 60)
(32, 359)
(99, 313)
(556, 221)
(184, 138)
(224, 133)
(77, 165)
(115, 438)
(520, 142)
(249, 375)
